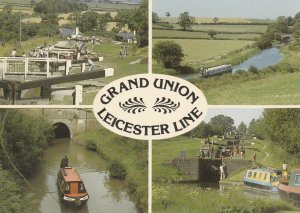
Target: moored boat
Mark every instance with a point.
(262, 179)
(71, 188)
(290, 189)
(215, 71)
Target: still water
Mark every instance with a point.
(261, 60)
(106, 195)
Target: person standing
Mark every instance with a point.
(254, 159)
(14, 52)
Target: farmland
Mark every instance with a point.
(200, 20)
(207, 51)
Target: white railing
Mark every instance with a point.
(22, 65)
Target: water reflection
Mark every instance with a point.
(106, 195)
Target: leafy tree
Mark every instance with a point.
(155, 18)
(264, 41)
(242, 127)
(256, 128)
(88, 21)
(50, 18)
(168, 53)
(203, 130)
(168, 14)
(296, 29)
(103, 21)
(58, 6)
(8, 8)
(185, 20)
(222, 124)
(282, 127)
(212, 33)
(215, 19)
(24, 137)
(9, 30)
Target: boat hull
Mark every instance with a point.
(290, 193)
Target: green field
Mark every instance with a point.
(199, 51)
(201, 35)
(174, 20)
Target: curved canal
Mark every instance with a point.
(263, 59)
(106, 195)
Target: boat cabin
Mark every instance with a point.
(219, 70)
(71, 187)
(261, 179)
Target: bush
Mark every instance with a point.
(117, 170)
(168, 53)
(91, 145)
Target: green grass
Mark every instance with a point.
(278, 88)
(169, 198)
(203, 51)
(200, 20)
(232, 28)
(132, 154)
(111, 7)
(202, 35)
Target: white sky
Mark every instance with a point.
(237, 114)
(228, 8)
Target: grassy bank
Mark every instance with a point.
(170, 196)
(184, 198)
(132, 154)
(11, 199)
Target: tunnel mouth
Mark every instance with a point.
(61, 131)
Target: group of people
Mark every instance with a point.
(123, 52)
(237, 151)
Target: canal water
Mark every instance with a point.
(106, 195)
(263, 59)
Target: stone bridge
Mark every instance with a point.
(68, 122)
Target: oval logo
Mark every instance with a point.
(150, 106)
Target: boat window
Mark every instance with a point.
(265, 177)
(297, 180)
(259, 175)
(81, 187)
(67, 188)
(249, 174)
(255, 173)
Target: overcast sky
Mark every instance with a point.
(237, 114)
(228, 8)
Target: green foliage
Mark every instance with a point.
(88, 21)
(10, 194)
(282, 127)
(264, 41)
(91, 145)
(253, 69)
(50, 18)
(203, 130)
(155, 18)
(9, 27)
(255, 128)
(168, 53)
(185, 20)
(212, 33)
(222, 124)
(58, 6)
(24, 136)
(242, 127)
(117, 170)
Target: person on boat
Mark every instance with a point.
(254, 159)
(64, 162)
(284, 170)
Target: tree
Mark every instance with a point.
(212, 33)
(256, 128)
(168, 14)
(8, 8)
(203, 130)
(185, 20)
(242, 127)
(222, 124)
(88, 21)
(24, 137)
(264, 41)
(215, 19)
(155, 18)
(50, 18)
(168, 53)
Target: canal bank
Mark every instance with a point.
(131, 154)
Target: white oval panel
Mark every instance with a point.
(150, 106)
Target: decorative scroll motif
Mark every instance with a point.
(133, 105)
(165, 105)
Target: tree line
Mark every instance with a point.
(89, 22)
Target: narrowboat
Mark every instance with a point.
(215, 71)
(262, 179)
(71, 188)
(290, 189)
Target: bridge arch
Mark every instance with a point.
(62, 130)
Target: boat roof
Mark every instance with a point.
(70, 174)
(221, 66)
(263, 170)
